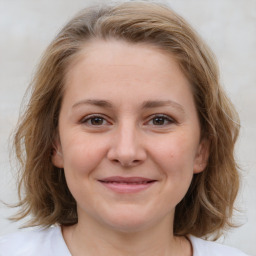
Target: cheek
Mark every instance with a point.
(179, 151)
(82, 155)
(176, 161)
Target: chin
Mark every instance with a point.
(128, 222)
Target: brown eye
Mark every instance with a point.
(161, 120)
(94, 121)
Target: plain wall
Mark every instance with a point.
(228, 26)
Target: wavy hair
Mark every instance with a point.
(208, 205)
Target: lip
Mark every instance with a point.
(127, 184)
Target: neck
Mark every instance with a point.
(95, 239)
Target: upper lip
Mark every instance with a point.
(126, 179)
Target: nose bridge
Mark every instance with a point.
(127, 138)
(127, 148)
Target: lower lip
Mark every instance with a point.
(126, 187)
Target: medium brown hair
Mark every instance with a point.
(208, 204)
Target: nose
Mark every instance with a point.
(127, 147)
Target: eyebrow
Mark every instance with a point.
(145, 105)
(95, 102)
(162, 103)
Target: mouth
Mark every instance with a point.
(127, 184)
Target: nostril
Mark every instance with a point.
(126, 163)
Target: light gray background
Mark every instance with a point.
(229, 27)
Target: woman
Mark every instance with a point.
(126, 146)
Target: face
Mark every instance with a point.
(129, 135)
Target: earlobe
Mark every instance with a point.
(57, 157)
(202, 156)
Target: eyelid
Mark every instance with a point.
(86, 118)
(91, 116)
(167, 117)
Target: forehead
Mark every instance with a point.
(112, 66)
(120, 55)
(103, 51)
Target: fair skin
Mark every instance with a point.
(129, 143)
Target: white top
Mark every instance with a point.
(50, 242)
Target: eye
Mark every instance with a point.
(161, 120)
(94, 120)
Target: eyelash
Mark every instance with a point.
(89, 118)
(165, 118)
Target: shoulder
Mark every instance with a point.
(202, 247)
(32, 242)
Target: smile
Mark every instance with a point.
(127, 184)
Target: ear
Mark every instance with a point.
(202, 156)
(57, 157)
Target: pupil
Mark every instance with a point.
(97, 121)
(158, 121)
